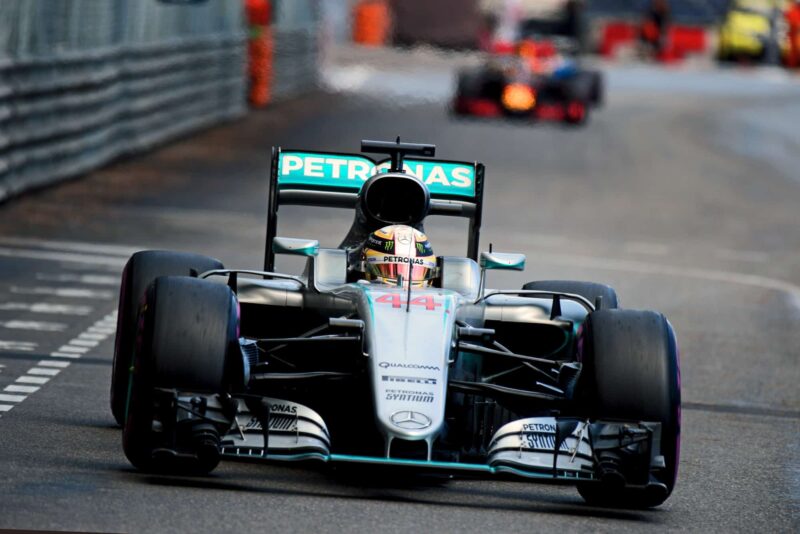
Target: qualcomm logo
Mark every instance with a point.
(411, 420)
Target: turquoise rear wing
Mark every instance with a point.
(331, 179)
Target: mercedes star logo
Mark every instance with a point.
(411, 420)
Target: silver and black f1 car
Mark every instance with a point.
(553, 382)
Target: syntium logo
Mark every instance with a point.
(390, 365)
(402, 395)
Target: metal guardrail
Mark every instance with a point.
(82, 81)
(295, 62)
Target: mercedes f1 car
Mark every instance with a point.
(552, 382)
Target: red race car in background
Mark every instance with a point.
(533, 72)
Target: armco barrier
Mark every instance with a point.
(295, 61)
(82, 82)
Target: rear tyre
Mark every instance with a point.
(588, 290)
(140, 271)
(631, 372)
(597, 93)
(186, 341)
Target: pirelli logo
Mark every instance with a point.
(409, 380)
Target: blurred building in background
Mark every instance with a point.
(445, 23)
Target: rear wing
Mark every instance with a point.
(331, 179)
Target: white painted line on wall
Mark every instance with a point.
(46, 307)
(69, 292)
(15, 388)
(39, 326)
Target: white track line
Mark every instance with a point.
(69, 292)
(70, 348)
(93, 336)
(17, 345)
(15, 388)
(73, 246)
(62, 256)
(90, 279)
(53, 363)
(102, 330)
(57, 354)
(43, 371)
(83, 343)
(46, 307)
(610, 264)
(32, 379)
(40, 326)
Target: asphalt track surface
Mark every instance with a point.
(661, 195)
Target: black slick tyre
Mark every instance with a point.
(588, 290)
(631, 372)
(186, 341)
(140, 271)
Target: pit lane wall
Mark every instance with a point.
(85, 81)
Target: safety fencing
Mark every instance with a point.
(85, 81)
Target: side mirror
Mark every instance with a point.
(295, 247)
(502, 261)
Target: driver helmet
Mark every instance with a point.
(398, 251)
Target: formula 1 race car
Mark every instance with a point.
(382, 354)
(538, 77)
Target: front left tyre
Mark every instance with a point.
(631, 373)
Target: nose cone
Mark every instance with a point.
(409, 353)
